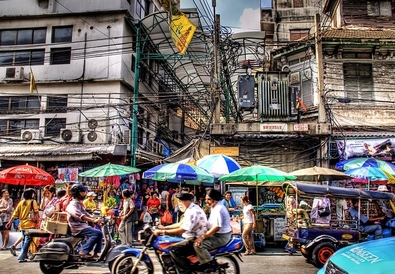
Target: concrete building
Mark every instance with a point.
(82, 109)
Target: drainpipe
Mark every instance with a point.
(133, 135)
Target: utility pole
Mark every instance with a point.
(215, 80)
(135, 109)
(320, 70)
(323, 151)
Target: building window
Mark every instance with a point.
(62, 34)
(297, 34)
(14, 127)
(22, 36)
(266, 4)
(142, 8)
(57, 104)
(358, 81)
(379, 8)
(20, 104)
(53, 126)
(22, 58)
(60, 56)
(298, 3)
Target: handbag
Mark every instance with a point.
(153, 210)
(32, 215)
(167, 218)
(324, 211)
(134, 216)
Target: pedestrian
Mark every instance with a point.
(249, 225)
(22, 213)
(129, 216)
(218, 234)
(6, 207)
(153, 206)
(48, 201)
(89, 202)
(65, 200)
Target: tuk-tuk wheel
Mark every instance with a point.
(321, 253)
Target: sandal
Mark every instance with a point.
(12, 250)
(85, 255)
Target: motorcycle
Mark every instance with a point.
(133, 261)
(62, 253)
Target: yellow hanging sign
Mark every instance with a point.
(181, 31)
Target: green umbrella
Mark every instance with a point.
(256, 175)
(109, 170)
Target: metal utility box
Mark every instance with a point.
(246, 85)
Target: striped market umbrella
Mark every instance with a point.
(218, 164)
(366, 162)
(179, 173)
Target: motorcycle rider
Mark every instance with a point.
(78, 219)
(192, 226)
(218, 234)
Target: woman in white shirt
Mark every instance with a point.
(249, 225)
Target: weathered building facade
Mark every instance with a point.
(358, 66)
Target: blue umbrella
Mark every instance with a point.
(365, 162)
(367, 173)
(178, 173)
(218, 164)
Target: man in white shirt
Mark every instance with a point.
(218, 234)
(192, 226)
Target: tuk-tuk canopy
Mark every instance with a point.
(335, 192)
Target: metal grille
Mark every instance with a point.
(273, 99)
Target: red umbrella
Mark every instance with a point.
(26, 175)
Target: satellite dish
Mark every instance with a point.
(92, 123)
(66, 135)
(92, 136)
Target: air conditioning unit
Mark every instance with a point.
(70, 135)
(14, 74)
(31, 135)
(95, 137)
(126, 136)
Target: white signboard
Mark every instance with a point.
(279, 228)
(273, 127)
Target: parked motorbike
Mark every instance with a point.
(133, 261)
(62, 253)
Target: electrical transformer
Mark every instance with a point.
(246, 84)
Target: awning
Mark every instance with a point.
(63, 152)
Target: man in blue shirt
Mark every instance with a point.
(364, 225)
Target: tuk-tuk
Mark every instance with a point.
(318, 222)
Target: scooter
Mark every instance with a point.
(133, 261)
(62, 253)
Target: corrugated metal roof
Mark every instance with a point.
(363, 134)
(359, 33)
(64, 149)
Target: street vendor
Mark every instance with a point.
(228, 202)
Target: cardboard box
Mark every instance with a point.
(55, 227)
(59, 217)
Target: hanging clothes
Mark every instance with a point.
(320, 205)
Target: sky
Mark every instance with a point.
(240, 15)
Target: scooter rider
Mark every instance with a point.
(192, 226)
(218, 234)
(78, 219)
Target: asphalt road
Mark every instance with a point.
(272, 260)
